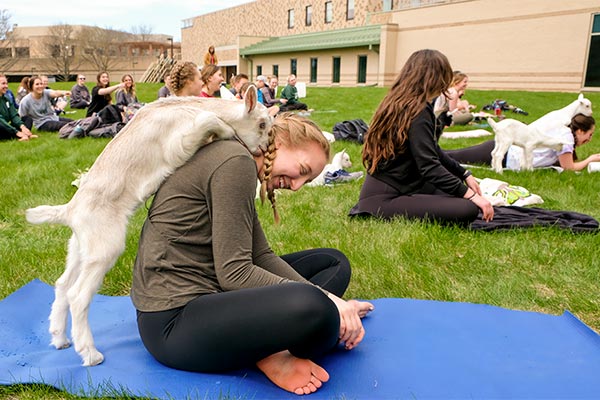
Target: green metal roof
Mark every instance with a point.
(351, 37)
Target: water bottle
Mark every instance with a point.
(497, 110)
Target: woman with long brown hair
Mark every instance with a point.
(101, 93)
(409, 175)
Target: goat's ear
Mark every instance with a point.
(250, 98)
(580, 97)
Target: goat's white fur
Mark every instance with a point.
(529, 137)
(160, 138)
(341, 160)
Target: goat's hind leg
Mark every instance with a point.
(60, 307)
(498, 153)
(98, 256)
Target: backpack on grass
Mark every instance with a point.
(352, 130)
(79, 128)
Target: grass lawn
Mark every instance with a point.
(542, 269)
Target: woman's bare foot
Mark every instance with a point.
(362, 307)
(293, 374)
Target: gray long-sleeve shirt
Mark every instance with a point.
(202, 234)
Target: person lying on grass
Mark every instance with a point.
(578, 133)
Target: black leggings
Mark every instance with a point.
(231, 330)
(478, 154)
(54, 126)
(381, 200)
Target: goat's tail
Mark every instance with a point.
(46, 214)
(492, 123)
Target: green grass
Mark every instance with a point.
(543, 269)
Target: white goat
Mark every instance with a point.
(160, 138)
(563, 116)
(529, 137)
(512, 132)
(340, 160)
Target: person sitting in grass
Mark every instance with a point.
(210, 298)
(11, 125)
(212, 77)
(164, 91)
(185, 79)
(289, 96)
(578, 133)
(408, 174)
(127, 94)
(80, 95)
(38, 106)
(101, 93)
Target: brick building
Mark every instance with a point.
(510, 44)
(45, 50)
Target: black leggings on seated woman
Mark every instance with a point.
(236, 329)
(381, 200)
(478, 154)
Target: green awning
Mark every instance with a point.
(342, 38)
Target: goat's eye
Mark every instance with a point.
(262, 125)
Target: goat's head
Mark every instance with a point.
(583, 106)
(253, 126)
(341, 160)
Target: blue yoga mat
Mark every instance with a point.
(413, 349)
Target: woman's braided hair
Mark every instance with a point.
(181, 74)
(291, 131)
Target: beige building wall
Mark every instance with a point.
(505, 45)
(348, 67)
(264, 18)
(512, 44)
(134, 58)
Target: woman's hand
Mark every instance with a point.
(485, 206)
(472, 184)
(351, 329)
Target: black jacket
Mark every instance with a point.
(423, 166)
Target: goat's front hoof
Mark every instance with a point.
(91, 357)
(60, 342)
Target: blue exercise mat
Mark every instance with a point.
(413, 349)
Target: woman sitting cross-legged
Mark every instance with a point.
(37, 105)
(409, 175)
(210, 293)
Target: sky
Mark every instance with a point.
(163, 16)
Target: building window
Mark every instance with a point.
(388, 5)
(362, 69)
(337, 61)
(22, 52)
(328, 12)
(276, 70)
(308, 15)
(592, 74)
(349, 9)
(258, 70)
(291, 18)
(313, 70)
(294, 66)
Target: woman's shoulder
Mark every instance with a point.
(219, 151)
